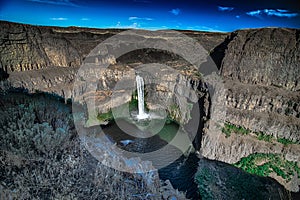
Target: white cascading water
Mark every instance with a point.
(140, 91)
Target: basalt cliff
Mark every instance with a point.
(260, 94)
(260, 69)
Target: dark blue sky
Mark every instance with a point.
(209, 15)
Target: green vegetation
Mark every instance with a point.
(104, 117)
(169, 120)
(81, 78)
(264, 164)
(227, 131)
(202, 178)
(270, 138)
(190, 108)
(286, 141)
(229, 128)
(264, 137)
(133, 106)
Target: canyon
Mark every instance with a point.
(259, 71)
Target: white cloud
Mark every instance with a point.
(272, 12)
(280, 13)
(205, 28)
(140, 18)
(254, 13)
(223, 8)
(237, 16)
(132, 18)
(282, 10)
(118, 24)
(175, 11)
(85, 19)
(56, 2)
(134, 25)
(59, 18)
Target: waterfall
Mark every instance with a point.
(140, 91)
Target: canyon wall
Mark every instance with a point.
(259, 67)
(26, 47)
(46, 59)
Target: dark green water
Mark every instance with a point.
(180, 172)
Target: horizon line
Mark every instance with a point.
(144, 28)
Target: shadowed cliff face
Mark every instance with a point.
(269, 57)
(260, 69)
(25, 47)
(261, 73)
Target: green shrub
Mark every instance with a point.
(103, 117)
(231, 128)
(264, 137)
(286, 141)
(263, 164)
(203, 176)
(227, 131)
(133, 105)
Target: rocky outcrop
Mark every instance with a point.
(165, 89)
(26, 47)
(260, 69)
(38, 50)
(269, 104)
(269, 56)
(274, 111)
(46, 59)
(55, 80)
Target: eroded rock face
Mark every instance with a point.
(25, 47)
(274, 111)
(267, 57)
(260, 69)
(38, 49)
(55, 80)
(47, 59)
(112, 87)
